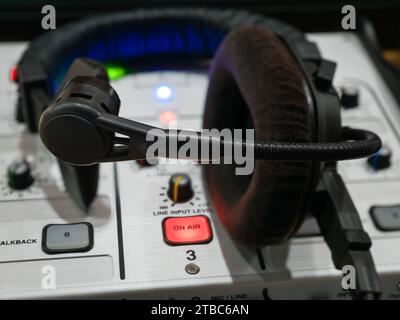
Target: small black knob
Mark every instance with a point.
(350, 97)
(381, 159)
(19, 175)
(180, 188)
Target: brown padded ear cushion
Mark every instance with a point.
(254, 81)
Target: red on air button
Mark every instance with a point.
(187, 230)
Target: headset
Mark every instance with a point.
(264, 75)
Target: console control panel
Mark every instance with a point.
(152, 233)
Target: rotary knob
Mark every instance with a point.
(19, 175)
(180, 188)
(381, 159)
(350, 97)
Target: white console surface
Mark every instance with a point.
(136, 262)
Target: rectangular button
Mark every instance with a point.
(63, 238)
(386, 218)
(187, 230)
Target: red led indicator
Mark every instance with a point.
(167, 117)
(187, 230)
(14, 74)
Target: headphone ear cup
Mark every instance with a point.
(255, 82)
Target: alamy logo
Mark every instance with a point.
(49, 20)
(349, 19)
(349, 277)
(49, 277)
(209, 146)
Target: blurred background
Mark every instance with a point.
(20, 19)
(377, 20)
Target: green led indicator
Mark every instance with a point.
(115, 72)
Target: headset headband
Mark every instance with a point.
(151, 34)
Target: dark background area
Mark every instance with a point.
(21, 19)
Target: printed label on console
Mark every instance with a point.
(182, 212)
(17, 242)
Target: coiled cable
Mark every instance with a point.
(356, 144)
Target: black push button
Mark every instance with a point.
(386, 218)
(66, 238)
(350, 97)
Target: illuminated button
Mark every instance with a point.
(167, 117)
(14, 74)
(146, 163)
(164, 92)
(187, 230)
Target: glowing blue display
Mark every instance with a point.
(170, 38)
(163, 92)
